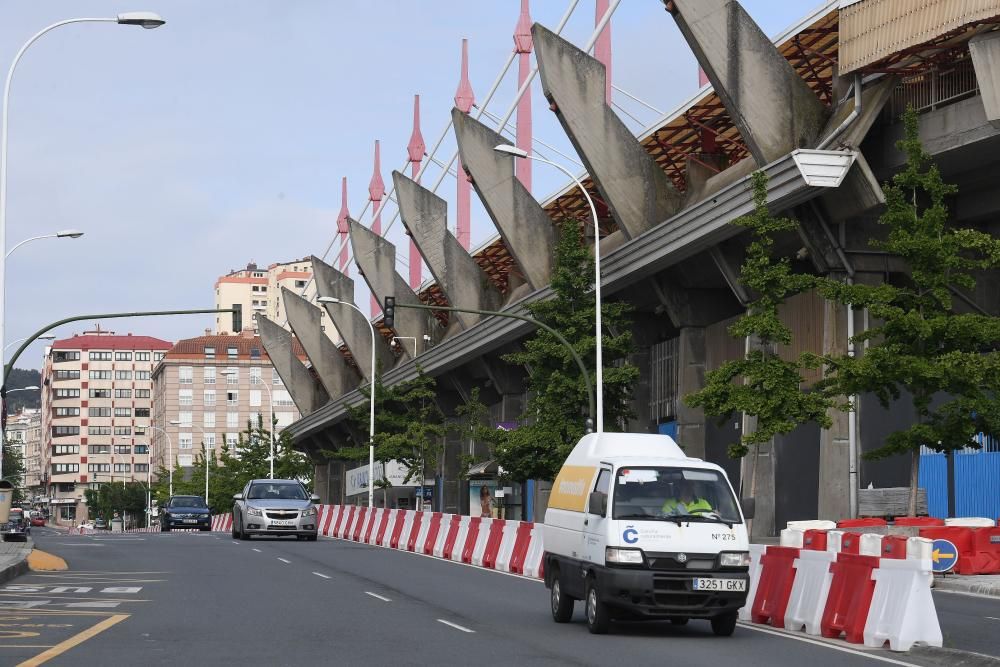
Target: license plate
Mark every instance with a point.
(736, 585)
(282, 522)
(190, 520)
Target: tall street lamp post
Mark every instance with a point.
(516, 152)
(371, 400)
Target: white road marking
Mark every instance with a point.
(455, 625)
(102, 605)
(321, 575)
(257, 550)
(809, 640)
(235, 542)
(378, 597)
(993, 618)
(285, 561)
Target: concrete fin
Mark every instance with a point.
(351, 324)
(306, 393)
(523, 224)
(327, 360)
(425, 216)
(774, 109)
(376, 258)
(985, 50)
(637, 191)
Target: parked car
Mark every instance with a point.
(37, 519)
(275, 507)
(17, 528)
(100, 524)
(185, 512)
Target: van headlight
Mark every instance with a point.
(623, 556)
(734, 559)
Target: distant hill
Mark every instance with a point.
(20, 377)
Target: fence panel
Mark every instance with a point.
(977, 480)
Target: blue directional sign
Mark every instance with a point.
(944, 555)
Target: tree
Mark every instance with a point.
(128, 499)
(13, 470)
(762, 384)
(946, 360)
(554, 417)
(472, 425)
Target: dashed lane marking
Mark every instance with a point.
(257, 550)
(322, 575)
(456, 626)
(378, 597)
(285, 561)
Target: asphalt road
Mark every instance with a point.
(201, 598)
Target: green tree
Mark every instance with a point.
(472, 425)
(554, 417)
(13, 470)
(946, 360)
(127, 500)
(762, 384)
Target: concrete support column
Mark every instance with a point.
(757, 475)
(691, 378)
(985, 50)
(834, 454)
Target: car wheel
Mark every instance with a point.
(724, 625)
(244, 535)
(679, 620)
(598, 617)
(165, 528)
(311, 538)
(561, 604)
(233, 530)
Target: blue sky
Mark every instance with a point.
(186, 151)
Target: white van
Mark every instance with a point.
(640, 531)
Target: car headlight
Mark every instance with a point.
(253, 511)
(734, 559)
(623, 556)
(309, 511)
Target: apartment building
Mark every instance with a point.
(96, 404)
(24, 435)
(204, 391)
(258, 290)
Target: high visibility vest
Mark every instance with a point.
(673, 505)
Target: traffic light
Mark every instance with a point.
(237, 317)
(389, 312)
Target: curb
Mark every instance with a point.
(952, 585)
(954, 657)
(15, 570)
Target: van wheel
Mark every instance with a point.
(562, 605)
(598, 617)
(724, 625)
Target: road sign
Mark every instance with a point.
(944, 555)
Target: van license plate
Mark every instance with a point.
(736, 585)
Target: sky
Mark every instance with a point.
(220, 138)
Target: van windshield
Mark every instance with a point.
(691, 494)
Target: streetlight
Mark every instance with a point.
(371, 400)
(170, 454)
(413, 338)
(31, 388)
(270, 405)
(64, 234)
(21, 340)
(516, 152)
(146, 20)
(204, 444)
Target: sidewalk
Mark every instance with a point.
(14, 558)
(979, 584)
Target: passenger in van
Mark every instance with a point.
(687, 501)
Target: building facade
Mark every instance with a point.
(96, 404)
(24, 435)
(206, 389)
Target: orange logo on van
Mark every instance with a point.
(570, 490)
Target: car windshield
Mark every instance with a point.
(674, 493)
(268, 491)
(187, 502)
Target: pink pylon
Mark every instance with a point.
(415, 150)
(523, 46)
(376, 190)
(602, 48)
(343, 229)
(464, 99)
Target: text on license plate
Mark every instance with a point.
(282, 522)
(719, 585)
(190, 520)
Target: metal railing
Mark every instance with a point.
(934, 88)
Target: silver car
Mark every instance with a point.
(275, 507)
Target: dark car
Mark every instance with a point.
(17, 528)
(100, 524)
(185, 512)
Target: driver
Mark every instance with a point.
(687, 502)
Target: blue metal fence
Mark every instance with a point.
(977, 480)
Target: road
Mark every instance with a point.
(201, 598)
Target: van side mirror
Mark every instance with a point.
(748, 505)
(598, 503)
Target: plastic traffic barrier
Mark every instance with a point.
(332, 512)
(962, 538)
(401, 531)
(902, 608)
(849, 598)
(522, 542)
(776, 578)
(345, 528)
(871, 545)
(416, 527)
(479, 545)
(792, 537)
(812, 524)
(815, 539)
(918, 521)
(533, 563)
(756, 551)
(860, 523)
(457, 547)
(493, 541)
(433, 530)
(371, 530)
(359, 525)
(810, 589)
(449, 523)
(970, 522)
(508, 540)
(894, 547)
(471, 537)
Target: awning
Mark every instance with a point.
(484, 469)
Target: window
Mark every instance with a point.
(67, 412)
(142, 375)
(232, 397)
(100, 375)
(67, 393)
(185, 441)
(100, 356)
(142, 393)
(209, 441)
(185, 460)
(185, 396)
(61, 450)
(142, 356)
(100, 393)
(209, 352)
(299, 284)
(232, 420)
(255, 351)
(67, 375)
(142, 467)
(98, 430)
(232, 375)
(209, 421)
(255, 375)
(123, 430)
(184, 418)
(123, 467)
(209, 375)
(63, 468)
(232, 440)
(142, 412)
(209, 399)
(275, 378)
(123, 356)
(281, 397)
(123, 449)
(142, 449)
(99, 449)
(255, 398)
(140, 430)
(232, 352)
(123, 393)
(123, 375)
(123, 412)
(185, 374)
(98, 412)
(98, 467)
(65, 356)
(157, 356)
